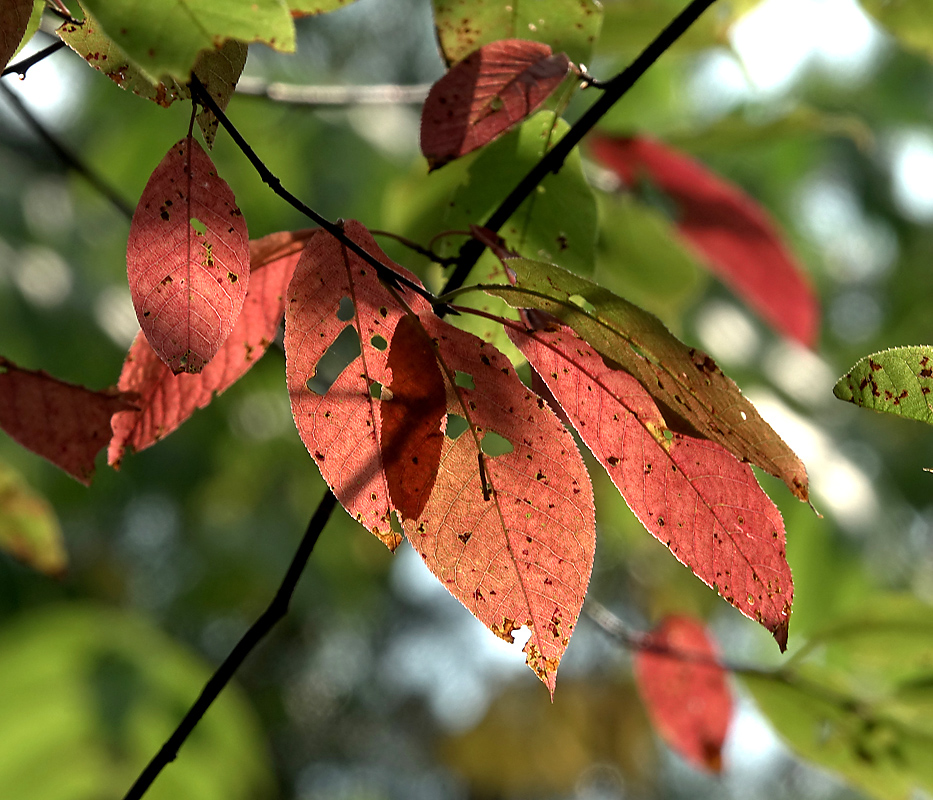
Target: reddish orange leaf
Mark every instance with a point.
(14, 19)
(413, 414)
(511, 536)
(487, 93)
(341, 428)
(187, 259)
(167, 400)
(730, 232)
(691, 494)
(64, 423)
(685, 691)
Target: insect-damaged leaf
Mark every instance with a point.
(897, 381)
(511, 536)
(413, 411)
(728, 230)
(693, 395)
(14, 19)
(487, 93)
(167, 400)
(691, 494)
(685, 690)
(187, 259)
(341, 428)
(64, 423)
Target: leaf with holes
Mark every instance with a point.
(691, 494)
(167, 400)
(571, 26)
(730, 232)
(337, 307)
(692, 393)
(14, 20)
(685, 690)
(897, 381)
(484, 95)
(65, 424)
(509, 527)
(187, 259)
(413, 413)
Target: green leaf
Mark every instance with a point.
(29, 529)
(693, 394)
(306, 8)
(568, 26)
(557, 223)
(909, 20)
(164, 37)
(897, 381)
(89, 694)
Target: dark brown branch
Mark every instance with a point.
(330, 96)
(22, 67)
(553, 160)
(277, 609)
(68, 158)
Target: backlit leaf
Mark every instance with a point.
(512, 535)
(187, 259)
(685, 690)
(570, 26)
(64, 423)
(29, 529)
(730, 231)
(413, 412)
(484, 95)
(693, 394)
(167, 400)
(304, 8)
(897, 381)
(14, 19)
(341, 427)
(164, 37)
(691, 494)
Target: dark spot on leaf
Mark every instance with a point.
(612, 461)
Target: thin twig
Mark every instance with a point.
(385, 273)
(67, 157)
(277, 609)
(22, 67)
(553, 160)
(444, 261)
(330, 96)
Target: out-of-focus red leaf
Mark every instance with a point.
(731, 233)
(62, 422)
(14, 19)
(342, 428)
(167, 400)
(487, 93)
(187, 259)
(685, 691)
(512, 536)
(413, 413)
(691, 494)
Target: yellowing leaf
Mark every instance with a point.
(29, 529)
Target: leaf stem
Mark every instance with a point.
(553, 160)
(331, 96)
(276, 610)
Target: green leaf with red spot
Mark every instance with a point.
(897, 381)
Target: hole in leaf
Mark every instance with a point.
(375, 390)
(495, 445)
(378, 342)
(199, 226)
(455, 426)
(581, 301)
(346, 311)
(395, 524)
(464, 380)
(344, 350)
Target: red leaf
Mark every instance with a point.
(64, 423)
(341, 428)
(733, 235)
(511, 536)
(487, 93)
(187, 259)
(14, 19)
(691, 494)
(167, 400)
(413, 412)
(685, 691)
